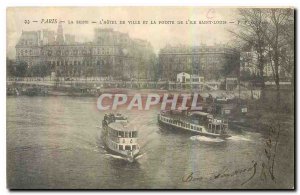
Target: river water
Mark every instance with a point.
(53, 142)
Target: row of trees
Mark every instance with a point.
(21, 69)
(269, 33)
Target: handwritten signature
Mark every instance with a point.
(223, 174)
(266, 167)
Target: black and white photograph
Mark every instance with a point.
(150, 97)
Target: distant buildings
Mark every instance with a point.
(111, 53)
(114, 54)
(203, 60)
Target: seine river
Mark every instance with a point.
(53, 142)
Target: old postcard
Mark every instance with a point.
(150, 98)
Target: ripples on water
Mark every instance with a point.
(53, 142)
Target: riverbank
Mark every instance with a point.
(266, 113)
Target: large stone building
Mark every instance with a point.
(203, 60)
(111, 53)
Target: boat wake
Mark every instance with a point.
(206, 139)
(239, 138)
(140, 156)
(115, 156)
(123, 158)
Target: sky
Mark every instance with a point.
(159, 35)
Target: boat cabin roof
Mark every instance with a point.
(200, 113)
(120, 117)
(122, 126)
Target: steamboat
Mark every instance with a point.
(194, 122)
(120, 137)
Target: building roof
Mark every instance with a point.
(181, 73)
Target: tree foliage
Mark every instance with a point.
(250, 31)
(269, 33)
(231, 65)
(21, 69)
(39, 70)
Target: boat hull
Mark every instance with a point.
(122, 153)
(124, 156)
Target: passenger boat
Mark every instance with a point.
(120, 136)
(194, 122)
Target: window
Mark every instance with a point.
(121, 147)
(133, 147)
(127, 147)
(134, 134)
(115, 133)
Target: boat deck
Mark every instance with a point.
(122, 126)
